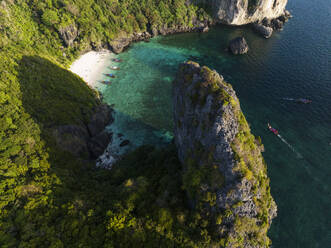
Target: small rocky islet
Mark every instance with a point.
(238, 46)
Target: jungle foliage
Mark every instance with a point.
(48, 197)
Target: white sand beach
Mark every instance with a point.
(90, 66)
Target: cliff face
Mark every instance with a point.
(225, 175)
(239, 12)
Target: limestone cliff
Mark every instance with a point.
(225, 175)
(239, 12)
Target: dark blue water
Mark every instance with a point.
(293, 63)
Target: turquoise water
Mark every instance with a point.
(293, 63)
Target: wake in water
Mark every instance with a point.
(299, 156)
(275, 131)
(290, 146)
(288, 99)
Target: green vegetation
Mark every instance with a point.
(36, 25)
(251, 166)
(36, 95)
(48, 197)
(50, 17)
(204, 5)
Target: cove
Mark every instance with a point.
(293, 63)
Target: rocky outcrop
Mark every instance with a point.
(124, 143)
(225, 175)
(99, 143)
(86, 141)
(68, 34)
(267, 26)
(204, 29)
(240, 12)
(265, 31)
(123, 40)
(238, 46)
(277, 23)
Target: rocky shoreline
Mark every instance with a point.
(124, 40)
(264, 28)
(267, 26)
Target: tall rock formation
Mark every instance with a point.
(240, 12)
(225, 175)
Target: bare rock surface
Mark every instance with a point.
(225, 175)
(98, 143)
(68, 34)
(238, 46)
(265, 31)
(240, 12)
(267, 26)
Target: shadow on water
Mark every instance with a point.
(138, 133)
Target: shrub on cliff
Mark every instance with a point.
(50, 17)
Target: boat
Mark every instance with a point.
(106, 82)
(110, 75)
(275, 131)
(303, 100)
(114, 67)
(117, 60)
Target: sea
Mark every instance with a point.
(294, 63)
